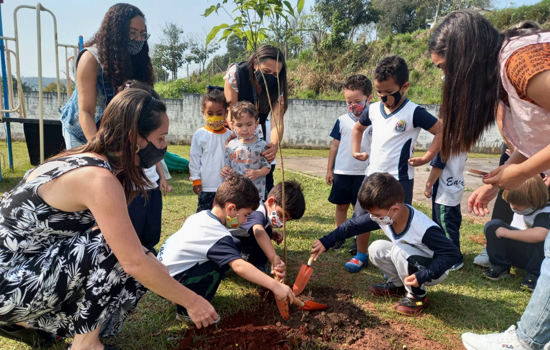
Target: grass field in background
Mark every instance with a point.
(464, 302)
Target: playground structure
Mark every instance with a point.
(44, 137)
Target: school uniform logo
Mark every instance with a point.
(401, 126)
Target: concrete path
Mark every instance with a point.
(317, 167)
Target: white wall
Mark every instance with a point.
(308, 123)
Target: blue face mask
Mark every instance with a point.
(135, 47)
(524, 212)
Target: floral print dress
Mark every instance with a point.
(57, 272)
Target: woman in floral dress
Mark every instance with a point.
(71, 263)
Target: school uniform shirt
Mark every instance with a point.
(206, 158)
(420, 232)
(451, 180)
(539, 218)
(257, 217)
(345, 163)
(201, 238)
(241, 156)
(395, 137)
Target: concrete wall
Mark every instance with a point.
(307, 122)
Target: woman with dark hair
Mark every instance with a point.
(71, 263)
(262, 81)
(117, 52)
(488, 73)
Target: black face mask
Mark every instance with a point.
(150, 155)
(396, 98)
(271, 80)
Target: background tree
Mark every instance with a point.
(169, 55)
(200, 50)
(357, 12)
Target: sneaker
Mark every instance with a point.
(355, 265)
(496, 273)
(529, 282)
(411, 305)
(386, 289)
(457, 266)
(338, 245)
(353, 249)
(506, 340)
(482, 259)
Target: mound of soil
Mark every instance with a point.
(342, 325)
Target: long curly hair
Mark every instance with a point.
(112, 46)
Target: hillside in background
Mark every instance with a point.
(319, 73)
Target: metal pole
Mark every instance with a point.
(6, 99)
(80, 43)
(40, 93)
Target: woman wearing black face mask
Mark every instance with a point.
(255, 81)
(74, 263)
(116, 53)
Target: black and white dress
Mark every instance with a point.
(57, 272)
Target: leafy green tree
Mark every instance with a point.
(357, 13)
(169, 54)
(200, 50)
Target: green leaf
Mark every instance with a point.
(289, 7)
(301, 4)
(211, 9)
(215, 31)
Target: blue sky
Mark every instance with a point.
(80, 17)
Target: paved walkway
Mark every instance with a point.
(317, 167)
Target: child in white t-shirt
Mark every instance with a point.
(206, 157)
(445, 186)
(344, 173)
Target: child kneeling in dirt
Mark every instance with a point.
(258, 230)
(418, 253)
(200, 253)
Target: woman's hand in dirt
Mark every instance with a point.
(362, 156)
(226, 170)
(277, 236)
(197, 189)
(201, 312)
(507, 176)
(271, 152)
(330, 177)
(411, 281)
(278, 268)
(317, 250)
(283, 292)
(479, 200)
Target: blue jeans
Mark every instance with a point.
(70, 140)
(534, 326)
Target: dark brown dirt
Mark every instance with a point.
(342, 325)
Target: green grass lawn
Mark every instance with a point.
(464, 302)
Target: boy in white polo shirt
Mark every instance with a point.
(345, 173)
(396, 122)
(445, 186)
(200, 253)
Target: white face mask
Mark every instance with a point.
(274, 219)
(524, 212)
(383, 221)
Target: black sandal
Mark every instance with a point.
(30, 336)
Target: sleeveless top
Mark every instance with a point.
(28, 225)
(105, 93)
(526, 125)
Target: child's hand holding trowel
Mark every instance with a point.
(278, 268)
(317, 249)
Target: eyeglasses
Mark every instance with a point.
(134, 35)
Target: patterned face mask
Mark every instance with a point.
(135, 47)
(215, 122)
(357, 108)
(524, 212)
(232, 222)
(383, 221)
(275, 220)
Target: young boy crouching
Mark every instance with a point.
(199, 254)
(418, 253)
